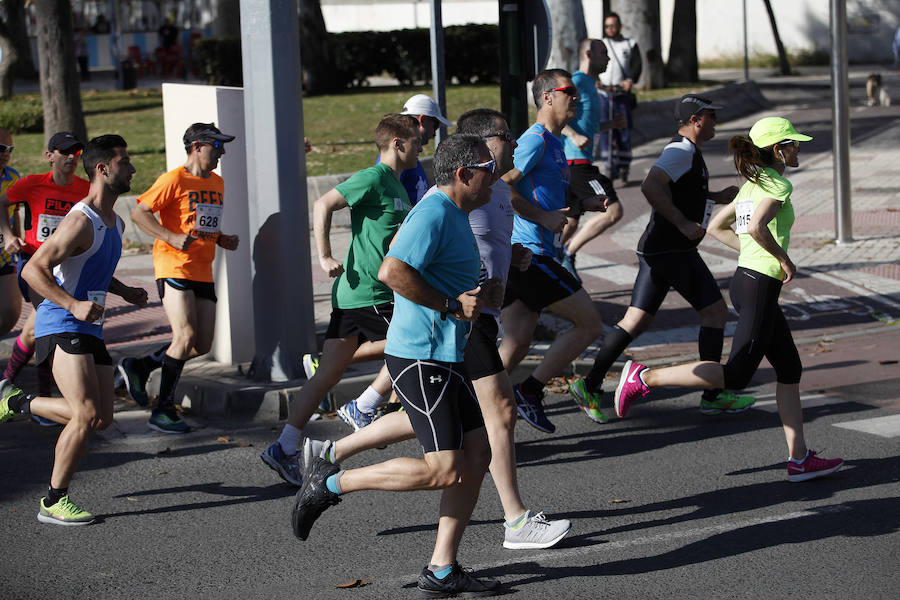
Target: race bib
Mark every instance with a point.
(743, 210)
(47, 224)
(98, 297)
(209, 218)
(707, 213)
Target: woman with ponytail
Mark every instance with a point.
(762, 216)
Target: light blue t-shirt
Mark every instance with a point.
(586, 119)
(540, 158)
(437, 241)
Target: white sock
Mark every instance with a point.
(798, 462)
(290, 439)
(369, 400)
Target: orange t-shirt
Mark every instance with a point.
(191, 205)
(45, 205)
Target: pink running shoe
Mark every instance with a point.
(631, 387)
(812, 467)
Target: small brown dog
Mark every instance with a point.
(876, 95)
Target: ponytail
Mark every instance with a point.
(748, 159)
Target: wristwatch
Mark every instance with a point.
(451, 305)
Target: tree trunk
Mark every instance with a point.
(784, 66)
(682, 65)
(567, 23)
(316, 60)
(640, 22)
(15, 19)
(8, 58)
(58, 69)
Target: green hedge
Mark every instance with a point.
(22, 114)
(472, 55)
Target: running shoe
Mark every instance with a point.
(459, 582)
(726, 401)
(314, 497)
(64, 512)
(568, 263)
(630, 388)
(355, 418)
(8, 391)
(310, 365)
(588, 401)
(45, 422)
(286, 466)
(135, 380)
(323, 449)
(812, 467)
(535, 532)
(531, 409)
(167, 421)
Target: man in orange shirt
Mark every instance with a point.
(47, 198)
(188, 201)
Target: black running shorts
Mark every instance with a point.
(543, 283)
(202, 289)
(369, 323)
(71, 343)
(438, 398)
(586, 181)
(684, 271)
(482, 359)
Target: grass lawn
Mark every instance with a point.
(340, 127)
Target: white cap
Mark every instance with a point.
(420, 104)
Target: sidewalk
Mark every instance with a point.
(850, 289)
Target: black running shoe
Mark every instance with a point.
(314, 497)
(458, 583)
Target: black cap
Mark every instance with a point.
(64, 140)
(204, 132)
(691, 104)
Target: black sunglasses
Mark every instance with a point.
(506, 135)
(4, 148)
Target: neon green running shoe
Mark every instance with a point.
(727, 402)
(310, 365)
(588, 401)
(7, 391)
(64, 512)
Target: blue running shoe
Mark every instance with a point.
(355, 418)
(531, 409)
(135, 380)
(45, 422)
(167, 421)
(286, 466)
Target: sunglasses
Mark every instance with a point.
(793, 143)
(4, 148)
(67, 152)
(609, 25)
(506, 135)
(570, 90)
(487, 166)
(218, 145)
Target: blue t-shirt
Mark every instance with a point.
(540, 158)
(586, 119)
(437, 241)
(414, 180)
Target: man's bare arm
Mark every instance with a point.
(323, 208)
(656, 190)
(143, 217)
(409, 283)
(554, 220)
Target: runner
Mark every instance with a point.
(189, 201)
(361, 304)
(678, 191)
(492, 225)
(10, 299)
(73, 269)
(538, 188)
(585, 179)
(433, 268)
(763, 215)
(47, 198)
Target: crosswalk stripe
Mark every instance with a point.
(888, 427)
(806, 400)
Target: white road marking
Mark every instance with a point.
(606, 269)
(806, 400)
(888, 427)
(662, 538)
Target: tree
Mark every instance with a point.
(784, 67)
(640, 21)
(8, 59)
(567, 23)
(316, 59)
(682, 65)
(15, 21)
(60, 90)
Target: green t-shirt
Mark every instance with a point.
(378, 204)
(753, 256)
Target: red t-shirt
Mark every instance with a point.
(45, 205)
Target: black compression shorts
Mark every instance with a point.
(684, 271)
